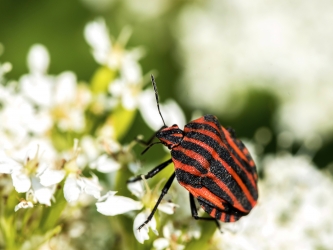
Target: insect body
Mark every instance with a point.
(212, 164)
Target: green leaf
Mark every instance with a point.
(101, 80)
(121, 119)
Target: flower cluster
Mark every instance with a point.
(41, 115)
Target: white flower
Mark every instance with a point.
(43, 194)
(7, 164)
(170, 110)
(105, 164)
(97, 35)
(21, 181)
(26, 177)
(148, 199)
(76, 185)
(111, 204)
(23, 204)
(142, 234)
(59, 97)
(127, 87)
(71, 188)
(38, 83)
(295, 199)
(50, 177)
(170, 240)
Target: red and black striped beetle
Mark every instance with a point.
(212, 164)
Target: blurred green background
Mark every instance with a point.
(59, 26)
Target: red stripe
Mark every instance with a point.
(227, 167)
(216, 138)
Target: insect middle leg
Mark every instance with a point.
(164, 192)
(194, 212)
(152, 172)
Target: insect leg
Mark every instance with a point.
(194, 212)
(148, 142)
(164, 191)
(152, 172)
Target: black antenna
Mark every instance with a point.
(156, 95)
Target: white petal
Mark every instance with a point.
(37, 85)
(167, 207)
(129, 99)
(148, 110)
(23, 204)
(65, 88)
(97, 35)
(42, 194)
(116, 87)
(106, 196)
(38, 59)
(51, 177)
(8, 165)
(131, 70)
(171, 111)
(21, 181)
(142, 234)
(91, 186)
(115, 204)
(71, 189)
(136, 188)
(105, 164)
(161, 243)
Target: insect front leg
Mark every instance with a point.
(149, 141)
(152, 172)
(194, 212)
(164, 192)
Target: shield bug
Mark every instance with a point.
(211, 163)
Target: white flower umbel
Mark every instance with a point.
(294, 209)
(127, 87)
(107, 53)
(60, 98)
(26, 177)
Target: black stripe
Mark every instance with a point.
(217, 168)
(221, 173)
(215, 189)
(221, 135)
(218, 214)
(206, 205)
(185, 159)
(187, 178)
(241, 147)
(227, 218)
(246, 165)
